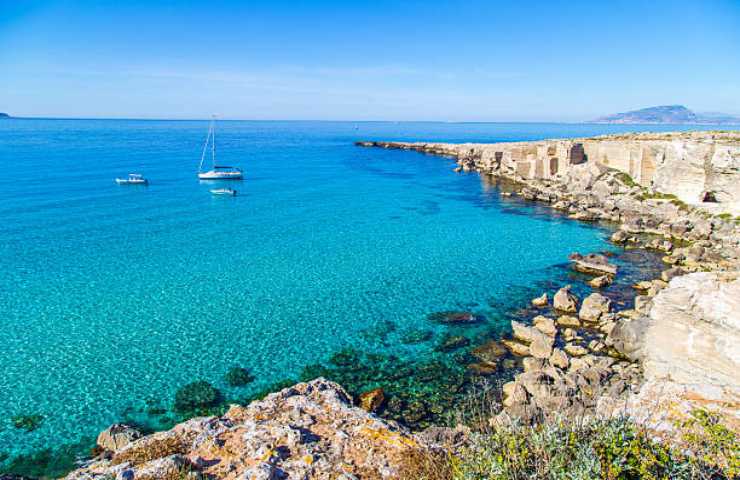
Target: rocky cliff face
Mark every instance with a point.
(310, 430)
(687, 345)
(699, 168)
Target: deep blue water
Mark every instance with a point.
(114, 296)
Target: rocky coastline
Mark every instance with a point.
(576, 355)
(586, 356)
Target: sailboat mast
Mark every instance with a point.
(205, 146)
(213, 145)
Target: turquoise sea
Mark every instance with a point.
(113, 297)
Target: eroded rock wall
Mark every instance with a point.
(689, 347)
(699, 168)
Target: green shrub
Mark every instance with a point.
(610, 448)
(712, 443)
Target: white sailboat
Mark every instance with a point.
(217, 172)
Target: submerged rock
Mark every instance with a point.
(489, 352)
(238, 377)
(193, 396)
(416, 336)
(452, 342)
(454, 317)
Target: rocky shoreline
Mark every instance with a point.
(592, 361)
(674, 351)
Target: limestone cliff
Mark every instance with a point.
(688, 347)
(700, 168)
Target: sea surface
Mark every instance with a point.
(112, 297)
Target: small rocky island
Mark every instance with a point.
(668, 361)
(669, 114)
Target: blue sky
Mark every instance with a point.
(473, 60)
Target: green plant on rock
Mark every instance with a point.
(712, 443)
(238, 377)
(195, 396)
(627, 453)
(626, 179)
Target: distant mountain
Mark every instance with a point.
(4, 115)
(668, 114)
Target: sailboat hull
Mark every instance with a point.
(216, 175)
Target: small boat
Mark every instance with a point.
(133, 179)
(224, 191)
(217, 172)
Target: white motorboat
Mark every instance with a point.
(224, 191)
(133, 179)
(217, 172)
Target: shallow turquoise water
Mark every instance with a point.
(111, 296)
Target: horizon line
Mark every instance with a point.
(164, 119)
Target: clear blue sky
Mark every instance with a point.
(471, 60)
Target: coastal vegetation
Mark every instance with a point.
(584, 449)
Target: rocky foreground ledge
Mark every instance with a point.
(310, 430)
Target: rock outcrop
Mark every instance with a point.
(688, 346)
(308, 431)
(699, 168)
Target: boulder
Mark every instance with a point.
(372, 400)
(593, 307)
(601, 281)
(532, 364)
(516, 348)
(671, 273)
(452, 342)
(643, 285)
(559, 359)
(541, 346)
(452, 317)
(513, 393)
(545, 325)
(619, 237)
(540, 301)
(521, 332)
(593, 263)
(575, 350)
(117, 436)
(568, 321)
(565, 301)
